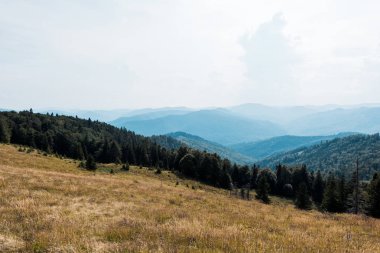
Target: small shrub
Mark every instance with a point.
(125, 167)
(82, 165)
(90, 163)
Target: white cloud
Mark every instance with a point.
(107, 54)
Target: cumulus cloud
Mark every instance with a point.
(270, 60)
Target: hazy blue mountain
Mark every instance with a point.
(147, 115)
(218, 125)
(364, 120)
(110, 115)
(100, 115)
(337, 155)
(201, 144)
(265, 148)
(279, 115)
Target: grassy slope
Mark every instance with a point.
(48, 204)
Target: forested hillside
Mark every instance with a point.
(99, 142)
(199, 143)
(338, 155)
(262, 149)
(92, 140)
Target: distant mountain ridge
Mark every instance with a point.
(218, 125)
(201, 144)
(262, 149)
(254, 122)
(363, 120)
(338, 155)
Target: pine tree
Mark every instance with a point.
(342, 195)
(287, 191)
(235, 175)
(373, 207)
(299, 176)
(302, 198)
(226, 181)
(330, 197)
(255, 173)
(283, 176)
(270, 179)
(4, 131)
(187, 165)
(318, 188)
(263, 190)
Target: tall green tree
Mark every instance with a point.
(318, 188)
(270, 179)
(342, 194)
(330, 200)
(373, 206)
(262, 191)
(226, 181)
(5, 134)
(187, 165)
(302, 198)
(299, 176)
(284, 177)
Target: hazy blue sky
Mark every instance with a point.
(146, 53)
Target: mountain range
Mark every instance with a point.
(254, 122)
(217, 125)
(337, 155)
(261, 149)
(201, 144)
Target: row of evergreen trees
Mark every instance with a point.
(95, 141)
(99, 142)
(308, 189)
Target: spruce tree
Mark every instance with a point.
(373, 207)
(4, 131)
(342, 195)
(226, 181)
(263, 190)
(318, 188)
(330, 197)
(255, 173)
(302, 198)
(187, 165)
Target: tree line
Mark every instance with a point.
(337, 155)
(326, 192)
(95, 141)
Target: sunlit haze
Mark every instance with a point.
(134, 54)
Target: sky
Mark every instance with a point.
(92, 54)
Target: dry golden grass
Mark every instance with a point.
(49, 205)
